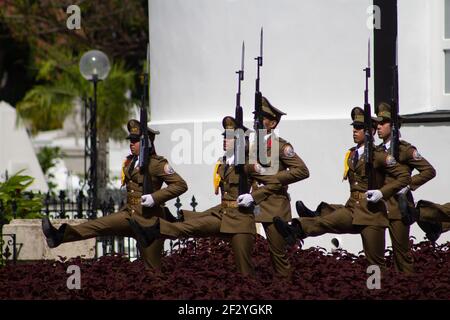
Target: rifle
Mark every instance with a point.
(395, 135)
(368, 137)
(239, 145)
(258, 117)
(146, 148)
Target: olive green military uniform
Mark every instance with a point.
(432, 212)
(291, 168)
(227, 219)
(358, 215)
(445, 226)
(288, 168)
(117, 223)
(398, 230)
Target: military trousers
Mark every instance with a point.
(277, 249)
(116, 224)
(340, 222)
(445, 226)
(208, 225)
(399, 233)
(433, 212)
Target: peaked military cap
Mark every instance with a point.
(384, 112)
(269, 111)
(229, 123)
(134, 129)
(357, 115)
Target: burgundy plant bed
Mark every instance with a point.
(205, 270)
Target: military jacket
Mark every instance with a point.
(410, 157)
(236, 219)
(288, 168)
(363, 212)
(160, 172)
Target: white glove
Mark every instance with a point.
(403, 191)
(147, 200)
(245, 200)
(374, 195)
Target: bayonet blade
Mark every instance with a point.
(261, 46)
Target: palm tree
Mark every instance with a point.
(46, 105)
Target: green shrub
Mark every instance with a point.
(13, 194)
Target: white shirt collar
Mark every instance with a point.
(360, 151)
(387, 145)
(230, 160)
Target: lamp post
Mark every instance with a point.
(94, 67)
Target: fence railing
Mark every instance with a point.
(60, 206)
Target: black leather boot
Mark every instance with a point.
(145, 235)
(432, 230)
(290, 233)
(53, 236)
(303, 211)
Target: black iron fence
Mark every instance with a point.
(75, 206)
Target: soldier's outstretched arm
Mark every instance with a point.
(297, 167)
(426, 170)
(176, 185)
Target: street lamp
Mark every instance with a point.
(94, 67)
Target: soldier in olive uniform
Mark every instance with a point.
(400, 220)
(289, 168)
(232, 219)
(365, 210)
(117, 223)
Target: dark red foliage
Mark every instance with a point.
(205, 270)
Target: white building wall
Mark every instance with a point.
(16, 150)
(314, 55)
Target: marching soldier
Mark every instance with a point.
(232, 219)
(117, 223)
(365, 210)
(291, 169)
(399, 206)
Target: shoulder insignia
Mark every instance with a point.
(347, 156)
(416, 155)
(216, 176)
(168, 169)
(126, 162)
(390, 161)
(288, 151)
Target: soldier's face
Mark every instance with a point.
(228, 144)
(384, 129)
(269, 124)
(135, 146)
(358, 134)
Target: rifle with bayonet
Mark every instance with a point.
(239, 134)
(395, 126)
(146, 146)
(368, 137)
(261, 152)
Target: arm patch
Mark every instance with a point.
(417, 155)
(168, 169)
(288, 151)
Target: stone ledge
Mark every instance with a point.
(31, 243)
